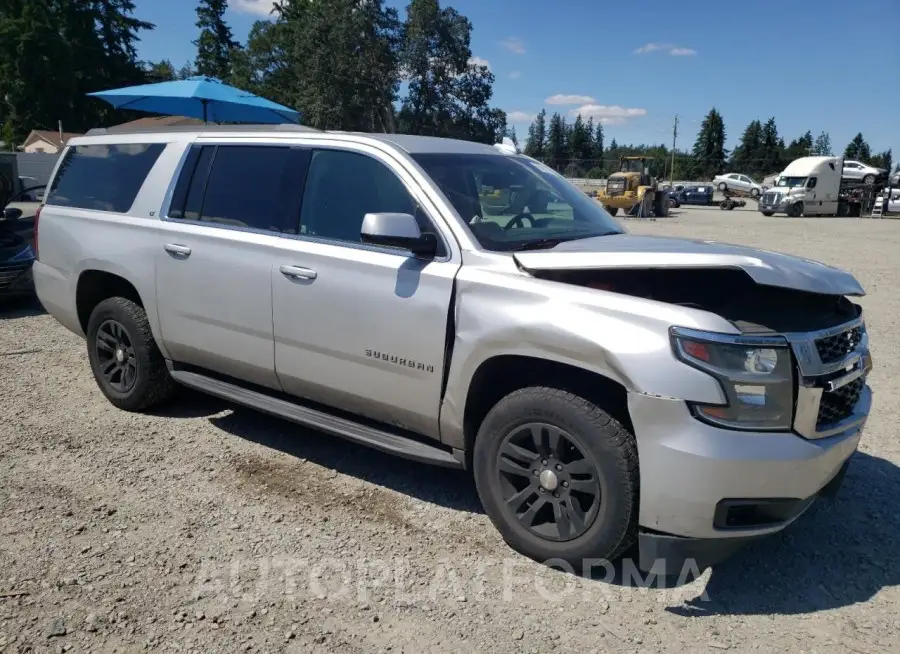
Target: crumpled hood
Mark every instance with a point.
(641, 252)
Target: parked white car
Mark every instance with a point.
(737, 182)
(861, 171)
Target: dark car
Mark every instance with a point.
(701, 194)
(16, 258)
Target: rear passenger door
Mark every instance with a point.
(231, 204)
(364, 329)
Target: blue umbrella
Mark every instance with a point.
(199, 97)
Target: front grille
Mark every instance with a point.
(771, 198)
(838, 405)
(834, 348)
(9, 273)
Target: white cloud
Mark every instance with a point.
(608, 114)
(516, 74)
(674, 50)
(514, 45)
(569, 99)
(258, 7)
(519, 117)
(478, 61)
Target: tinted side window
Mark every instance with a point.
(244, 187)
(342, 187)
(103, 177)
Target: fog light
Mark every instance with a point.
(751, 395)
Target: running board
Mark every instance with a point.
(368, 436)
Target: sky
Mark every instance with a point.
(812, 64)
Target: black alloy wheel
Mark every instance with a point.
(548, 482)
(119, 365)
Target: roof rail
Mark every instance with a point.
(125, 129)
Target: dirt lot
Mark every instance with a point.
(215, 529)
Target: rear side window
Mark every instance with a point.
(248, 186)
(103, 177)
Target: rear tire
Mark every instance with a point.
(723, 186)
(768, 213)
(126, 362)
(584, 460)
(612, 211)
(843, 209)
(754, 193)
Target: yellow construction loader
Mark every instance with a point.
(634, 190)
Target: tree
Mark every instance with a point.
(185, 72)
(858, 149)
(216, 42)
(709, 152)
(579, 147)
(537, 136)
(800, 147)
(161, 71)
(448, 94)
(511, 133)
(747, 156)
(883, 160)
(597, 146)
(772, 153)
(823, 145)
(556, 154)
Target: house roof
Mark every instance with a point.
(152, 122)
(50, 137)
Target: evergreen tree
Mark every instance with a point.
(579, 147)
(858, 149)
(215, 43)
(555, 155)
(823, 145)
(883, 160)
(511, 133)
(801, 147)
(161, 71)
(747, 156)
(709, 152)
(772, 155)
(537, 136)
(597, 145)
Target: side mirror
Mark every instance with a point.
(399, 230)
(12, 213)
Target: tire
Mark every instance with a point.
(843, 209)
(722, 186)
(795, 210)
(612, 211)
(768, 213)
(869, 180)
(754, 193)
(660, 205)
(723, 205)
(596, 444)
(119, 337)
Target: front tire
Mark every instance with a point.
(795, 210)
(612, 211)
(558, 476)
(126, 362)
(768, 213)
(754, 193)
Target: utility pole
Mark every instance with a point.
(674, 136)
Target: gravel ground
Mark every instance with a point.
(216, 529)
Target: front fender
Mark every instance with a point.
(623, 338)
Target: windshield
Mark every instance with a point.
(513, 202)
(791, 182)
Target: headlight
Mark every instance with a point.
(756, 375)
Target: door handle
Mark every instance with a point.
(179, 250)
(298, 272)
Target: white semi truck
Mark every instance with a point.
(813, 186)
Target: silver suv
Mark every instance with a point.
(464, 305)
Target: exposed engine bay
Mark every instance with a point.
(730, 293)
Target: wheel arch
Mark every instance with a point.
(500, 375)
(99, 280)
